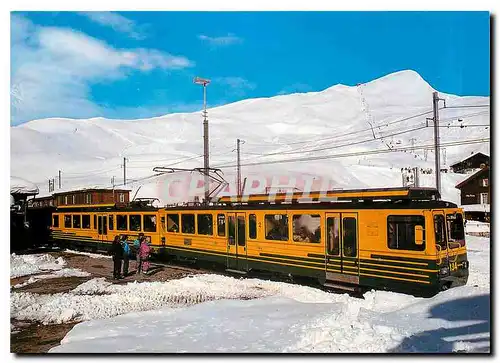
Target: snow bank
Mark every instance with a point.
(22, 265)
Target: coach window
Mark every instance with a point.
(95, 221)
(252, 226)
(55, 221)
(135, 222)
(350, 237)
(205, 224)
(306, 228)
(333, 235)
(111, 224)
(173, 223)
(77, 221)
(67, 221)
(89, 198)
(74, 199)
(86, 221)
(276, 227)
(401, 232)
(188, 223)
(221, 225)
(121, 222)
(149, 223)
(66, 199)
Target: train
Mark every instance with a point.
(396, 239)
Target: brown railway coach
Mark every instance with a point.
(398, 239)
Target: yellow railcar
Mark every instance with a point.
(400, 239)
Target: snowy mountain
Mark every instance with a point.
(347, 131)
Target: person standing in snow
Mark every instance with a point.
(137, 245)
(126, 253)
(144, 251)
(117, 252)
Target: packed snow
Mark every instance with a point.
(35, 264)
(88, 254)
(213, 313)
(335, 121)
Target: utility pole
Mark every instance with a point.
(206, 166)
(435, 108)
(113, 184)
(124, 171)
(238, 181)
(412, 140)
(59, 179)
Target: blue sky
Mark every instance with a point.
(141, 64)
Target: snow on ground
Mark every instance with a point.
(91, 255)
(477, 227)
(23, 265)
(212, 313)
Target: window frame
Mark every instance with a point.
(223, 224)
(152, 216)
(318, 216)
(331, 251)
(120, 216)
(356, 237)
(178, 222)
(183, 215)
(199, 217)
(421, 222)
(79, 217)
(252, 226)
(55, 217)
(83, 226)
(282, 238)
(130, 216)
(66, 218)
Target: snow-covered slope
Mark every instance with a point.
(335, 121)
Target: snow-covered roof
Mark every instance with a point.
(469, 176)
(22, 186)
(467, 157)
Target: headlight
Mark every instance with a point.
(444, 271)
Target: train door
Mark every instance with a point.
(236, 242)
(102, 231)
(442, 251)
(342, 247)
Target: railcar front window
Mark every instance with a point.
(306, 228)
(456, 233)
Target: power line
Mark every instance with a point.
(466, 106)
(369, 152)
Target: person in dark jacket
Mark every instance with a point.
(117, 252)
(126, 253)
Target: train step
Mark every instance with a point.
(236, 271)
(340, 287)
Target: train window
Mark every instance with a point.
(241, 230)
(95, 221)
(439, 231)
(173, 223)
(55, 221)
(111, 224)
(252, 226)
(306, 228)
(455, 226)
(77, 221)
(205, 224)
(86, 221)
(149, 223)
(401, 232)
(67, 221)
(231, 229)
(121, 222)
(350, 237)
(221, 225)
(88, 198)
(135, 222)
(276, 227)
(188, 223)
(333, 235)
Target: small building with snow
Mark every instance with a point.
(470, 163)
(475, 195)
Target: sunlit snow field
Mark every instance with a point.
(212, 313)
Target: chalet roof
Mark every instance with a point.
(471, 177)
(468, 157)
